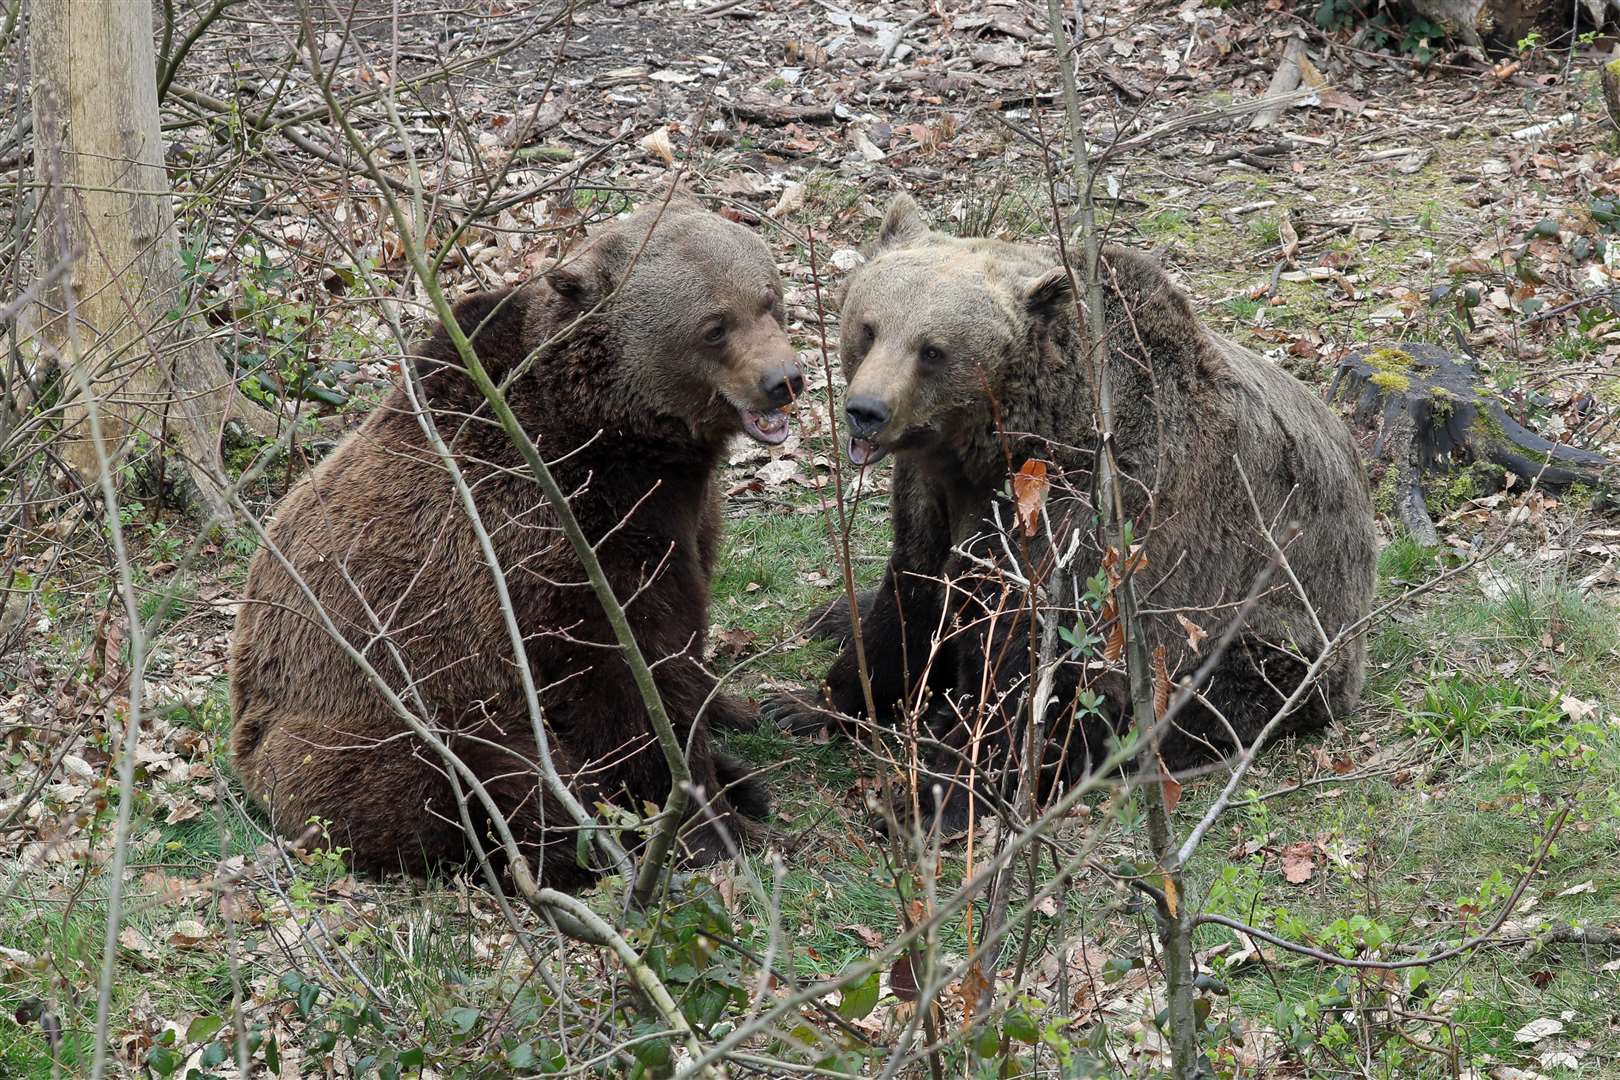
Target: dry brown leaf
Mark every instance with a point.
(1161, 683)
(968, 991)
(1289, 238)
(188, 934)
(656, 144)
(1172, 791)
(1195, 633)
(1115, 646)
(1299, 862)
(902, 982)
(1029, 488)
(136, 942)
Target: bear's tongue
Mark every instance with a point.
(864, 452)
(769, 428)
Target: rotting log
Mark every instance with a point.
(1434, 415)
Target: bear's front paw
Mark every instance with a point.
(801, 712)
(745, 789)
(728, 713)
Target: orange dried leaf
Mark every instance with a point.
(1195, 633)
(1172, 791)
(1161, 683)
(969, 990)
(1030, 486)
(1115, 648)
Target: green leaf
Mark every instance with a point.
(859, 1000)
(202, 1029)
(654, 1056)
(213, 1054)
(163, 1060)
(1020, 1026)
(307, 994)
(462, 1020)
(705, 1002)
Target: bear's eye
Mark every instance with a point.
(714, 334)
(932, 355)
(868, 335)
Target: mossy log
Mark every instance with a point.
(1433, 415)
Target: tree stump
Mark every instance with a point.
(1609, 76)
(1433, 415)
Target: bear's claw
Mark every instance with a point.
(796, 712)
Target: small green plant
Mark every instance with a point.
(1456, 712)
(1244, 309)
(1164, 223)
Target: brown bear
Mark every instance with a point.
(632, 365)
(967, 357)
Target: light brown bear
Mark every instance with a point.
(967, 357)
(632, 365)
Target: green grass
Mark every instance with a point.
(778, 566)
(1404, 561)
(1164, 224)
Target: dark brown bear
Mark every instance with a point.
(632, 366)
(966, 358)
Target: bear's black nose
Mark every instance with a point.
(867, 415)
(782, 385)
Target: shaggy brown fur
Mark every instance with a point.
(633, 409)
(965, 358)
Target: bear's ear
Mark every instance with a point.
(579, 282)
(678, 192)
(1050, 295)
(903, 224)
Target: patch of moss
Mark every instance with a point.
(1396, 360)
(1462, 489)
(1392, 369)
(1384, 495)
(1442, 403)
(1579, 496)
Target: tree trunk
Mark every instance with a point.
(1502, 22)
(106, 217)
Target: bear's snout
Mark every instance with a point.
(782, 385)
(867, 415)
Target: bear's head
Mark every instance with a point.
(932, 329)
(691, 304)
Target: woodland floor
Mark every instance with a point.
(1494, 700)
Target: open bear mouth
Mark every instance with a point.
(864, 452)
(770, 428)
